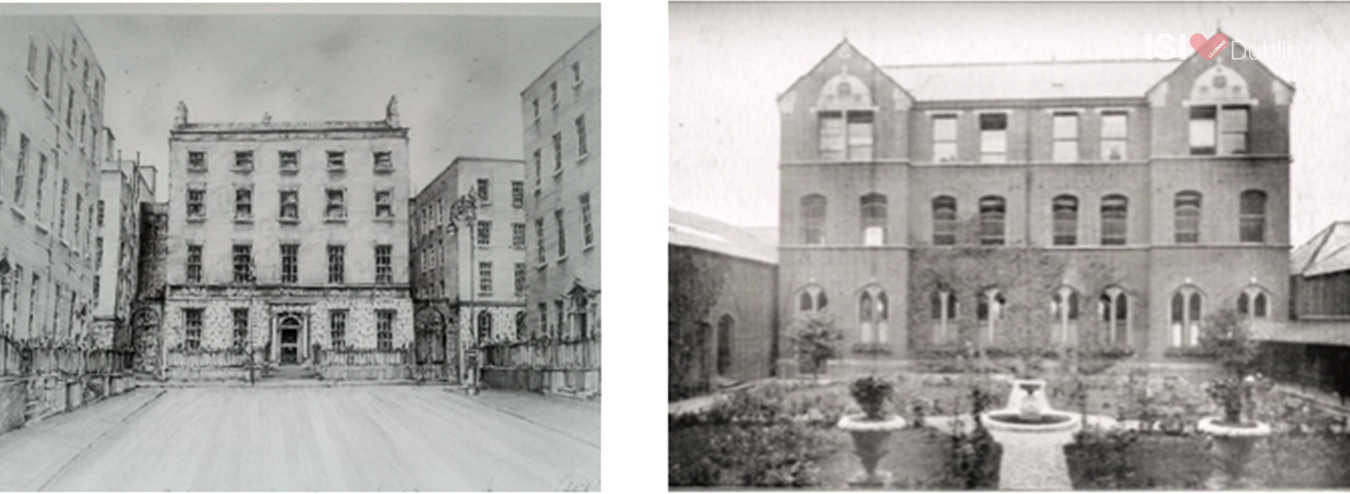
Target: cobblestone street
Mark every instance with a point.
(375, 438)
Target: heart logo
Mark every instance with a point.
(1208, 48)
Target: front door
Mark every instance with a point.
(290, 340)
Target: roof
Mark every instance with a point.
(1032, 80)
(1305, 332)
(701, 232)
(1325, 253)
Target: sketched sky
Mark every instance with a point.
(728, 63)
(457, 70)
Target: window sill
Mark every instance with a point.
(386, 169)
(64, 243)
(289, 221)
(582, 159)
(335, 220)
(484, 246)
(384, 219)
(591, 246)
(557, 175)
(517, 247)
(484, 294)
(32, 82)
(289, 170)
(18, 212)
(41, 228)
(541, 266)
(245, 221)
(562, 259)
(197, 169)
(241, 169)
(337, 169)
(196, 219)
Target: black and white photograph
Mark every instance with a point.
(300, 247)
(1016, 246)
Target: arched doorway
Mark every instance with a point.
(288, 331)
(430, 336)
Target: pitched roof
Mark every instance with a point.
(1032, 80)
(701, 232)
(1327, 252)
(1304, 332)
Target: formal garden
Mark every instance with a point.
(1021, 420)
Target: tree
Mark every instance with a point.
(816, 333)
(695, 283)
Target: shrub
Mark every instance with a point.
(736, 455)
(1102, 458)
(871, 394)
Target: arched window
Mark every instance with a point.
(944, 310)
(874, 219)
(873, 315)
(1252, 216)
(811, 299)
(484, 325)
(989, 308)
(1253, 303)
(813, 219)
(1187, 310)
(992, 210)
(724, 328)
(1187, 213)
(1065, 211)
(1115, 312)
(944, 220)
(1115, 212)
(1064, 309)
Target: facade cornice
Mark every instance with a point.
(276, 292)
(892, 162)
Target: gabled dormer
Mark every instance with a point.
(1221, 107)
(846, 109)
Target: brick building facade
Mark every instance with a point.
(469, 276)
(51, 113)
(287, 237)
(1150, 194)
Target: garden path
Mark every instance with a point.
(1033, 461)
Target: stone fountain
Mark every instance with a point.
(1033, 436)
(1029, 411)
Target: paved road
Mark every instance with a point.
(309, 439)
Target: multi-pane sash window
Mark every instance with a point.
(196, 204)
(484, 233)
(944, 138)
(196, 160)
(553, 93)
(240, 317)
(192, 328)
(538, 167)
(243, 263)
(859, 135)
(562, 233)
(520, 277)
(337, 204)
(1202, 130)
(61, 218)
(243, 203)
(337, 160)
(559, 315)
(384, 264)
(290, 205)
(337, 264)
(539, 234)
(517, 235)
(1065, 212)
(813, 219)
(557, 151)
(22, 165)
(587, 233)
(1252, 216)
(1115, 131)
(874, 219)
(1233, 130)
(484, 325)
(243, 160)
(384, 161)
(289, 160)
(992, 210)
(944, 220)
(484, 191)
(194, 263)
(384, 330)
(581, 135)
(41, 183)
(517, 194)
(1066, 137)
(337, 328)
(485, 277)
(384, 203)
(290, 263)
(1115, 211)
(845, 135)
(993, 137)
(1187, 212)
(535, 103)
(543, 318)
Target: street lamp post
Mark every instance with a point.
(464, 211)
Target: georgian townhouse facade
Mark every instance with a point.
(1117, 202)
(51, 113)
(469, 276)
(287, 236)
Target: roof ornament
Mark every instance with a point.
(391, 111)
(180, 114)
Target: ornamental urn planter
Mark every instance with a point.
(869, 440)
(1232, 451)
